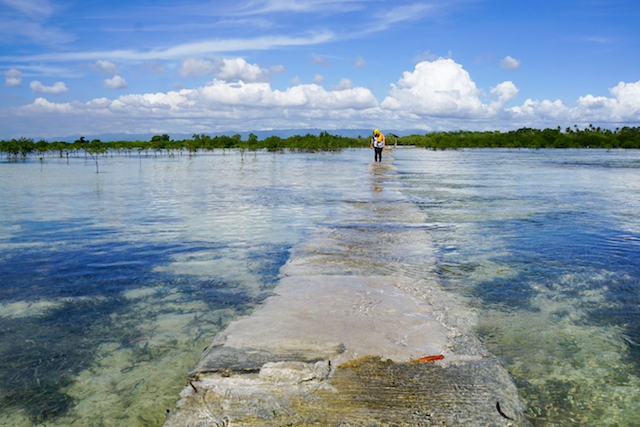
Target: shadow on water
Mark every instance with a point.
(571, 276)
(72, 300)
(40, 356)
(545, 251)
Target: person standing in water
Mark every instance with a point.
(377, 143)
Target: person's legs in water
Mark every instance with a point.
(378, 155)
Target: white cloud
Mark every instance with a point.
(442, 91)
(277, 69)
(360, 62)
(510, 63)
(403, 13)
(505, 91)
(280, 6)
(220, 104)
(56, 89)
(234, 69)
(296, 80)
(251, 95)
(238, 69)
(116, 82)
(42, 106)
(623, 108)
(47, 70)
(105, 67)
(13, 78)
(434, 95)
(441, 88)
(317, 78)
(343, 85)
(179, 51)
(628, 94)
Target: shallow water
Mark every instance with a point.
(112, 284)
(543, 245)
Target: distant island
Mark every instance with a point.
(589, 137)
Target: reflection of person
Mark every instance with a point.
(377, 143)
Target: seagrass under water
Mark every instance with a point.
(112, 284)
(339, 342)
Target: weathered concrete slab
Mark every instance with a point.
(334, 347)
(335, 317)
(338, 350)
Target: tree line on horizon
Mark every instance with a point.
(590, 137)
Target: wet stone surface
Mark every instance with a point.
(365, 392)
(336, 343)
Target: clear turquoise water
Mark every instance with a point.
(112, 284)
(545, 247)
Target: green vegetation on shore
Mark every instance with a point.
(21, 148)
(590, 137)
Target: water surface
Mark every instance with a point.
(543, 246)
(112, 284)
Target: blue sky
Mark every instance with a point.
(72, 68)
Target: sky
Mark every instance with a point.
(152, 67)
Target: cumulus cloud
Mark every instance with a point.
(238, 69)
(317, 78)
(510, 63)
(441, 88)
(360, 62)
(105, 67)
(296, 80)
(303, 96)
(56, 89)
(13, 78)
(343, 85)
(234, 69)
(434, 95)
(220, 103)
(505, 92)
(116, 82)
(627, 94)
(623, 108)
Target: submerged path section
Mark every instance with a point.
(341, 340)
